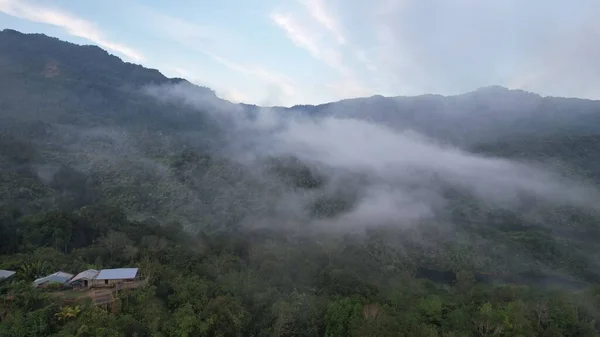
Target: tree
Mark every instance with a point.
(67, 313)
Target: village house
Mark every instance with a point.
(58, 277)
(84, 279)
(120, 277)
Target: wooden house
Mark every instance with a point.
(118, 278)
(84, 279)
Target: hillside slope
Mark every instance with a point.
(469, 215)
(81, 127)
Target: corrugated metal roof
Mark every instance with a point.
(117, 274)
(59, 276)
(6, 274)
(85, 275)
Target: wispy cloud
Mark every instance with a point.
(184, 32)
(71, 24)
(320, 12)
(349, 88)
(234, 96)
(276, 79)
(217, 43)
(305, 37)
(283, 80)
(297, 34)
(310, 36)
(191, 74)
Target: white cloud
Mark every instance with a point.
(392, 189)
(350, 88)
(283, 81)
(233, 95)
(279, 84)
(449, 47)
(215, 42)
(318, 10)
(276, 84)
(308, 39)
(311, 38)
(454, 46)
(73, 25)
(297, 34)
(188, 34)
(362, 57)
(393, 47)
(563, 62)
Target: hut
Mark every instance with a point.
(58, 277)
(128, 277)
(84, 279)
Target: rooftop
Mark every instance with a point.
(6, 274)
(117, 274)
(59, 276)
(85, 275)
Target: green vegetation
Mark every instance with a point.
(250, 283)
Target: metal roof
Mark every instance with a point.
(117, 274)
(59, 276)
(85, 275)
(6, 274)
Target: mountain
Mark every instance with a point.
(305, 221)
(484, 115)
(92, 87)
(79, 126)
(80, 109)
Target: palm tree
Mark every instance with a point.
(67, 313)
(33, 270)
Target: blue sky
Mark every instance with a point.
(312, 51)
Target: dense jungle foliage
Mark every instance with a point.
(264, 284)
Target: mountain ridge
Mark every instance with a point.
(494, 89)
(51, 81)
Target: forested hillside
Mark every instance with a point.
(470, 215)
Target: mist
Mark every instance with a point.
(388, 176)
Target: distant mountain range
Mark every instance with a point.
(85, 79)
(47, 81)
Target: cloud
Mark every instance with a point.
(318, 11)
(563, 62)
(186, 33)
(285, 83)
(73, 25)
(280, 89)
(297, 34)
(406, 173)
(309, 37)
(407, 47)
(450, 47)
(394, 177)
(234, 96)
(393, 47)
(216, 42)
(309, 40)
(349, 88)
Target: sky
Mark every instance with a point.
(287, 52)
